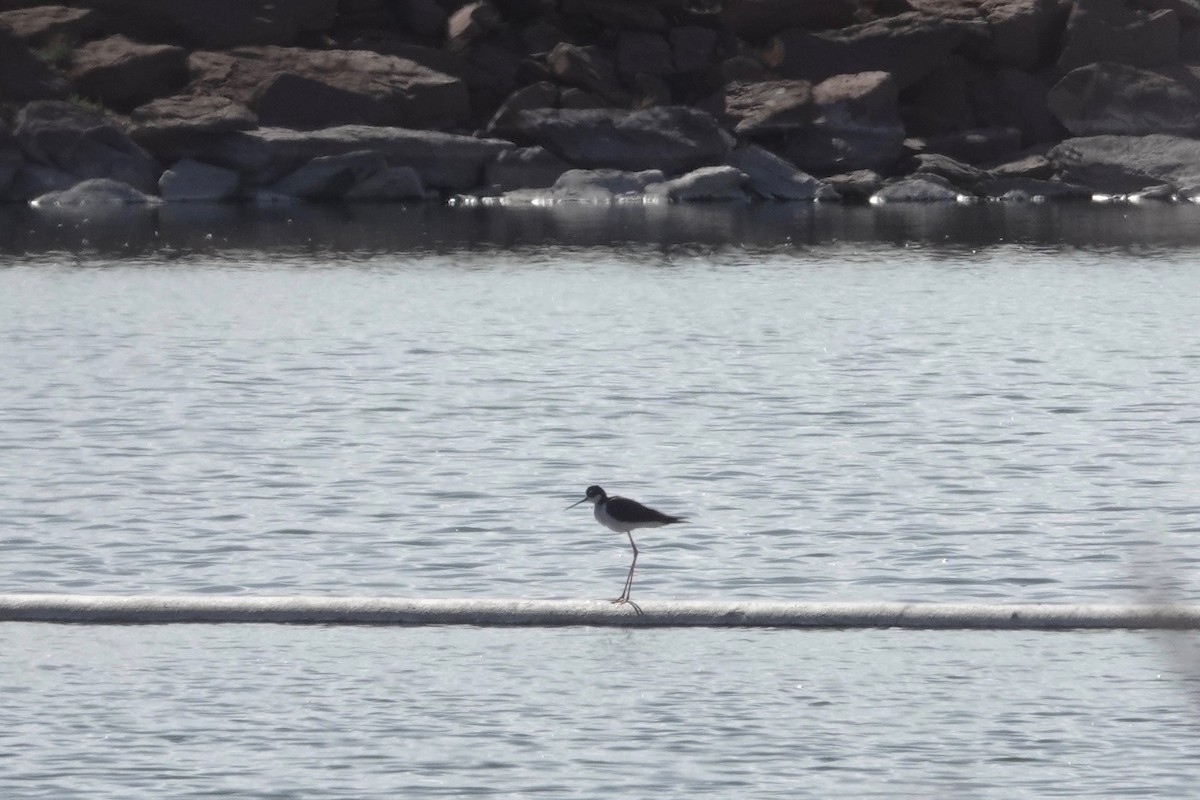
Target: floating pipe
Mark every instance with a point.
(321, 610)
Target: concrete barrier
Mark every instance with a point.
(317, 610)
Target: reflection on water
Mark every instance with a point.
(186, 228)
(900, 403)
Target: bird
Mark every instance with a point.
(623, 515)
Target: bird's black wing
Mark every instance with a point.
(632, 511)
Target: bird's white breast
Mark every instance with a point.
(608, 521)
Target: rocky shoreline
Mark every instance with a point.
(598, 101)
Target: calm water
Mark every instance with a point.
(978, 404)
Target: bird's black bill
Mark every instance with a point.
(584, 500)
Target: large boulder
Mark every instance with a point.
(524, 168)
(1124, 164)
(707, 184)
(443, 160)
(216, 24)
(195, 181)
(758, 19)
(768, 108)
(330, 177)
(908, 46)
(1014, 33)
(24, 76)
(587, 68)
(774, 178)
(51, 26)
(83, 143)
(175, 127)
(1108, 30)
(123, 74)
(298, 88)
(857, 127)
(1110, 98)
(671, 138)
(95, 192)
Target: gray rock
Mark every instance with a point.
(723, 183)
(189, 180)
(774, 178)
(444, 161)
(858, 126)
(1030, 165)
(856, 186)
(180, 126)
(1118, 99)
(692, 47)
(768, 108)
(524, 168)
(672, 138)
(1035, 190)
(1127, 164)
(916, 189)
(83, 143)
(388, 185)
(330, 177)
(975, 146)
(542, 94)
(24, 76)
(1108, 30)
(587, 68)
(643, 52)
(95, 192)
(908, 46)
(32, 180)
(599, 186)
(958, 174)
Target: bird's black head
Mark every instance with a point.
(594, 495)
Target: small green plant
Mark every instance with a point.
(57, 52)
(88, 103)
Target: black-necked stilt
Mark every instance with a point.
(623, 515)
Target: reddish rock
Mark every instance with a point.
(300, 88)
(43, 26)
(1119, 99)
(181, 126)
(1107, 30)
(123, 74)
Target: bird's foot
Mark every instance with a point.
(620, 601)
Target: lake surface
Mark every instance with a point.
(974, 404)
